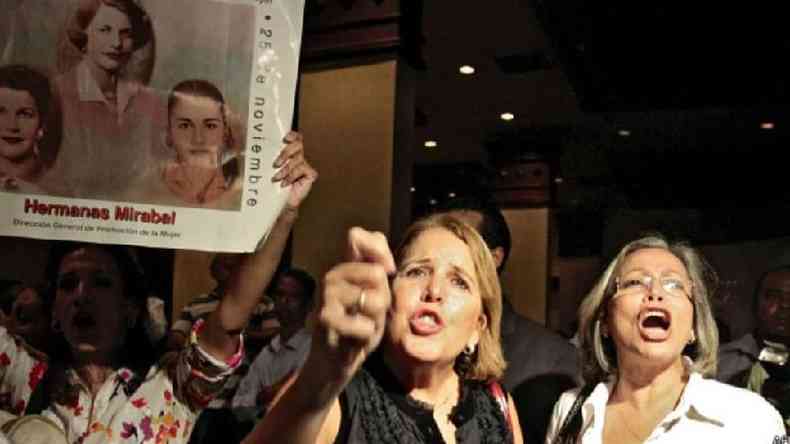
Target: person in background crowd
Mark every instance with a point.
(293, 299)
(411, 360)
(648, 340)
(541, 363)
(758, 361)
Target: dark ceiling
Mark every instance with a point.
(626, 56)
(633, 105)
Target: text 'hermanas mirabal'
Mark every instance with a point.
(126, 214)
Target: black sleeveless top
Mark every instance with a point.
(376, 410)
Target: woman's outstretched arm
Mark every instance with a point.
(351, 319)
(220, 336)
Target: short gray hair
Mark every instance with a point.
(598, 354)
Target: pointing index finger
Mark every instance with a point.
(370, 246)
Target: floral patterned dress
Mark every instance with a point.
(159, 407)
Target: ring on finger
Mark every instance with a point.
(359, 304)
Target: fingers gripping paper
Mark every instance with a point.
(145, 122)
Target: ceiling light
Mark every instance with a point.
(507, 116)
(558, 180)
(451, 195)
(413, 189)
(466, 70)
(624, 133)
(767, 125)
(433, 201)
(431, 144)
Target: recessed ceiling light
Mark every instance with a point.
(451, 195)
(412, 189)
(507, 116)
(767, 125)
(431, 144)
(467, 70)
(624, 133)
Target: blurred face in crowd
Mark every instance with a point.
(436, 306)
(29, 319)
(20, 124)
(773, 307)
(109, 44)
(650, 317)
(289, 301)
(197, 130)
(91, 306)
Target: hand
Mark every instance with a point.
(294, 170)
(349, 326)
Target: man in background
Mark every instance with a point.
(293, 293)
(758, 361)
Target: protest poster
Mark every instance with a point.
(145, 122)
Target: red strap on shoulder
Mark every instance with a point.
(501, 399)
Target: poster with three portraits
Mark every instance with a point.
(145, 122)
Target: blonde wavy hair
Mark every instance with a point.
(598, 354)
(488, 361)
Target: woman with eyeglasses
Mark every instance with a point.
(648, 342)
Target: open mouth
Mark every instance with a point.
(426, 322)
(656, 319)
(654, 324)
(84, 320)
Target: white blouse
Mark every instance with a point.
(708, 411)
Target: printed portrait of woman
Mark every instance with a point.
(200, 134)
(111, 118)
(204, 162)
(29, 128)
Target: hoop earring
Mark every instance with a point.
(465, 361)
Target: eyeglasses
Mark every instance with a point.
(640, 285)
